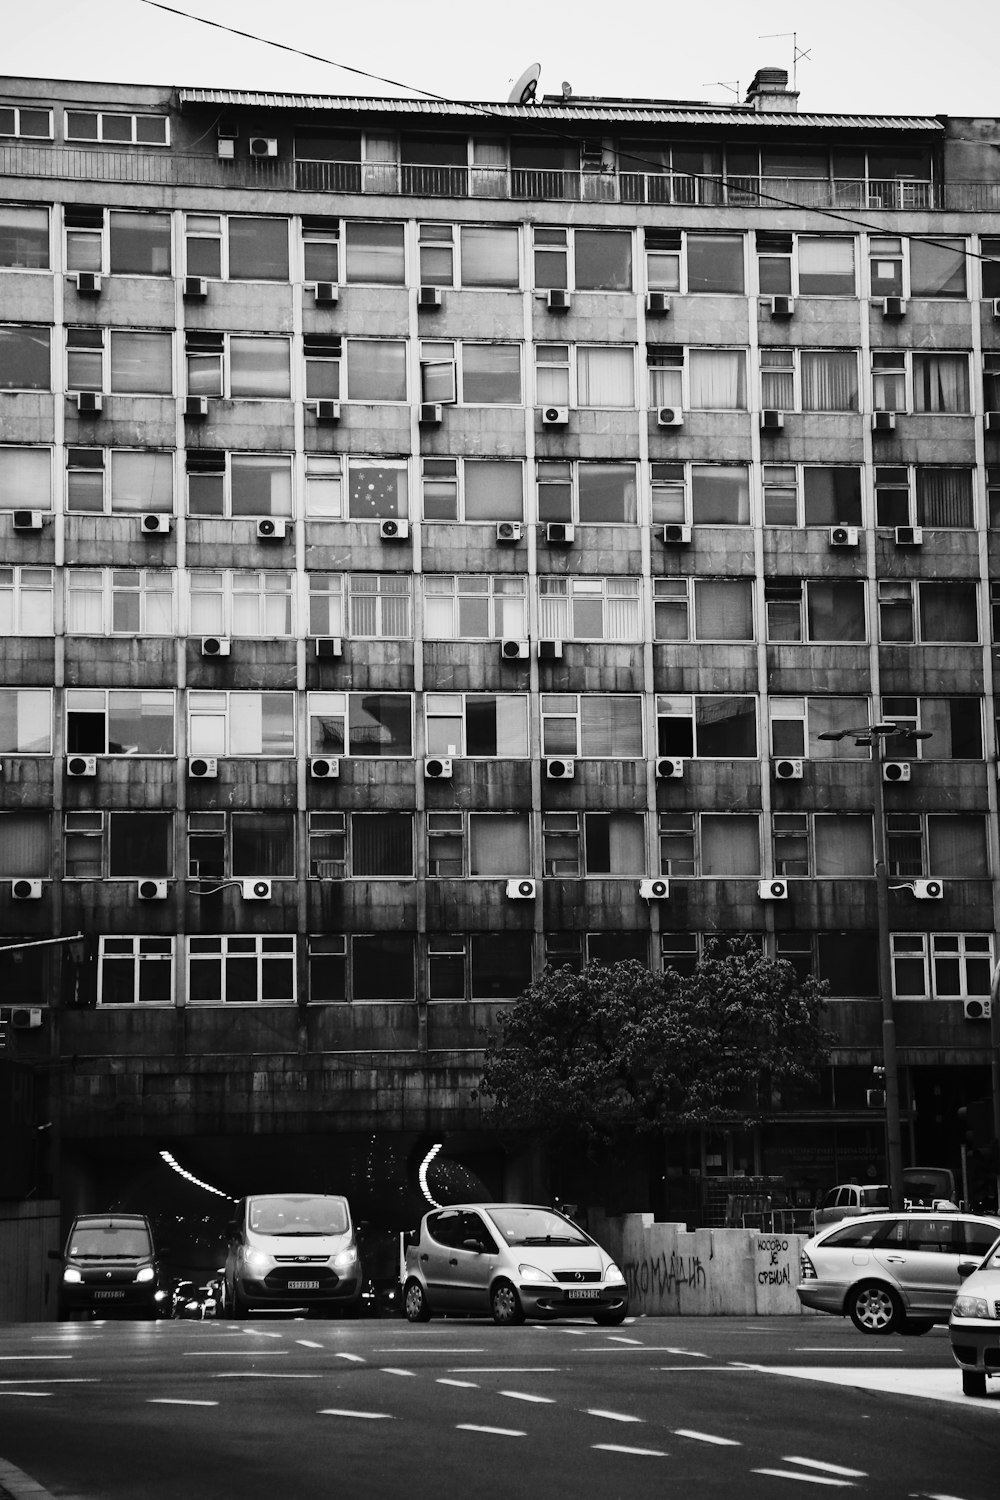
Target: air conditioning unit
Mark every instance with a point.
(515, 650)
(509, 531)
(214, 645)
(89, 403)
(996, 307)
(328, 646)
(991, 421)
(256, 890)
(437, 768)
(151, 890)
(154, 523)
(27, 1018)
(895, 770)
(195, 407)
(430, 414)
(269, 529)
(843, 536)
(88, 283)
(669, 416)
(195, 288)
(674, 534)
(787, 770)
(894, 307)
(977, 1010)
(324, 768)
(772, 421)
(81, 765)
(550, 650)
(226, 149)
(429, 296)
(909, 536)
(555, 416)
(657, 303)
(669, 768)
(654, 890)
(772, 890)
(27, 520)
(782, 307)
(203, 767)
(559, 300)
(263, 145)
(521, 890)
(883, 421)
(929, 890)
(394, 531)
(26, 890)
(325, 292)
(326, 411)
(560, 532)
(560, 770)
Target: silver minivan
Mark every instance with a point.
(292, 1250)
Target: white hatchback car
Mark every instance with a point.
(974, 1328)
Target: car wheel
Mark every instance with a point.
(238, 1307)
(505, 1305)
(611, 1317)
(875, 1308)
(415, 1304)
(914, 1327)
(973, 1383)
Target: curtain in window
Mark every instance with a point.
(665, 385)
(512, 724)
(718, 379)
(956, 847)
(553, 608)
(844, 847)
(621, 610)
(940, 382)
(376, 370)
(723, 609)
(26, 478)
(381, 844)
(944, 498)
(826, 266)
(259, 367)
(489, 256)
(610, 726)
(730, 844)
(626, 844)
(499, 844)
(605, 376)
(829, 380)
(25, 844)
(263, 844)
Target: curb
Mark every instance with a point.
(15, 1484)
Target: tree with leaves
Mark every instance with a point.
(613, 1052)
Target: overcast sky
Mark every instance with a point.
(886, 57)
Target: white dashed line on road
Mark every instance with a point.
(706, 1437)
(356, 1359)
(393, 1370)
(527, 1396)
(231, 1353)
(309, 1343)
(469, 1385)
(636, 1452)
(612, 1416)
(18, 1358)
(176, 1401)
(25, 1393)
(842, 1484)
(494, 1431)
(815, 1463)
(618, 1338)
(366, 1416)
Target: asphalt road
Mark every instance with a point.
(305, 1410)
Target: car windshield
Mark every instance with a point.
(536, 1226)
(109, 1242)
(298, 1215)
(874, 1197)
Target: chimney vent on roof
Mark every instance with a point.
(770, 92)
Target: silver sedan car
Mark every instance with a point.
(512, 1261)
(974, 1328)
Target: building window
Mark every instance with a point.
(119, 721)
(26, 601)
(237, 365)
(241, 845)
(805, 265)
(107, 481)
(327, 965)
(320, 248)
(25, 844)
(721, 845)
(25, 721)
(680, 952)
(119, 601)
(361, 724)
(25, 357)
(478, 845)
(117, 129)
(30, 124)
(238, 484)
(703, 609)
(484, 255)
(117, 845)
(938, 844)
(810, 495)
(594, 843)
(940, 383)
(474, 606)
(472, 489)
(475, 374)
(601, 259)
(24, 236)
(241, 970)
(447, 965)
(915, 612)
(598, 725)
(378, 489)
(361, 967)
(941, 966)
(365, 846)
(705, 494)
(707, 727)
(138, 244)
(991, 381)
(375, 252)
(679, 261)
(256, 724)
(135, 971)
(700, 379)
(847, 962)
(798, 723)
(243, 604)
(592, 493)
(815, 610)
(127, 363)
(604, 375)
(379, 605)
(479, 726)
(810, 380)
(589, 609)
(237, 248)
(824, 845)
(955, 725)
(324, 487)
(326, 604)
(25, 478)
(356, 369)
(917, 267)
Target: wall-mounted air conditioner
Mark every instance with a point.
(772, 421)
(195, 408)
(559, 299)
(909, 536)
(521, 890)
(326, 411)
(509, 531)
(256, 890)
(155, 523)
(437, 768)
(324, 768)
(895, 770)
(929, 890)
(782, 307)
(27, 1017)
(772, 890)
(669, 768)
(559, 532)
(27, 520)
(669, 416)
(81, 765)
(550, 650)
(26, 890)
(560, 770)
(263, 145)
(977, 1010)
(996, 307)
(195, 288)
(430, 414)
(215, 645)
(512, 650)
(88, 283)
(393, 530)
(654, 890)
(325, 293)
(676, 534)
(883, 421)
(894, 307)
(991, 421)
(555, 416)
(89, 403)
(151, 890)
(843, 536)
(203, 767)
(270, 529)
(657, 303)
(328, 646)
(428, 296)
(787, 770)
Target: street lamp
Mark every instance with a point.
(875, 736)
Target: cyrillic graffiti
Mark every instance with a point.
(664, 1274)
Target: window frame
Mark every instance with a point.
(434, 713)
(100, 115)
(112, 589)
(97, 694)
(189, 233)
(20, 594)
(161, 949)
(199, 461)
(211, 345)
(197, 707)
(314, 711)
(101, 829)
(229, 596)
(569, 708)
(283, 950)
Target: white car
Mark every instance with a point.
(974, 1328)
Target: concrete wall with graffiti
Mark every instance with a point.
(672, 1271)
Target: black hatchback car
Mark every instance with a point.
(111, 1268)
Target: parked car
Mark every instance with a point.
(109, 1267)
(974, 1327)
(892, 1273)
(510, 1260)
(849, 1199)
(292, 1250)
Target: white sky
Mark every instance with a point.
(875, 56)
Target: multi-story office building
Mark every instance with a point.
(425, 525)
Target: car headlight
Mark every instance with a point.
(612, 1273)
(345, 1261)
(72, 1275)
(257, 1260)
(970, 1307)
(533, 1273)
(146, 1273)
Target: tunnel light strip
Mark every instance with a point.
(175, 1166)
(422, 1175)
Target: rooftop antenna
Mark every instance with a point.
(797, 52)
(524, 89)
(732, 87)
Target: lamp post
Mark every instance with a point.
(875, 736)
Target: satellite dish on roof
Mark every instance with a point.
(523, 91)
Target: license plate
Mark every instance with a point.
(303, 1286)
(583, 1292)
(102, 1293)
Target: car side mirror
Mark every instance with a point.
(966, 1268)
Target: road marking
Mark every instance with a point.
(366, 1416)
(425, 1349)
(11, 1358)
(469, 1385)
(527, 1396)
(176, 1401)
(391, 1370)
(355, 1359)
(712, 1369)
(263, 1333)
(618, 1338)
(53, 1380)
(815, 1463)
(309, 1343)
(872, 1348)
(691, 1353)
(495, 1431)
(261, 1375)
(507, 1369)
(231, 1353)
(25, 1393)
(638, 1452)
(843, 1484)
(933, 1384)
(612, 1416)
(706, 1437)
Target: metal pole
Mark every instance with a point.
(893, 1126)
